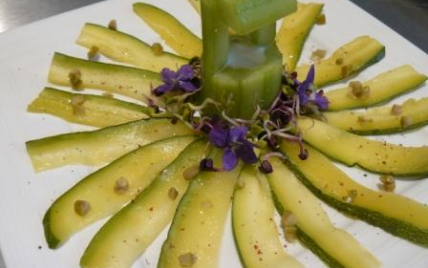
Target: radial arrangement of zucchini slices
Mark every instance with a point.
(129, 232)
(85, 109)
(252, 208)
(396, 214)
(126, 48)
(101, 146)
(349, 59)
(312, 225)
(293, 32)
(111, 78)
(106, 191)
(372, 155)
(175, 34)
(153, 171)
(382, 120)
(382, 88)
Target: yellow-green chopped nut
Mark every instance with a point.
(187, 259)
(82, 207)
(288, 219)
(396, 109)
(93, 53)
(121, 186)
(157, 49)
(191, 172)
(318, 54)
(172, 193)
(77, 104)
(406, 121)
(321, 19)
(75, 77)
(112, 25)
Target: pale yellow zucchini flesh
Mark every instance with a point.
(125, 48)
(394, 213)
(196, 232)
(254, 229)
(382, 120)
(142, 220)
(345, 61)
(99, 147)
(86, 109)
(172, 31)
(381, 88)
(293, 32)
(98, 190)
(118, 79)
(334, 246)
(372, 155)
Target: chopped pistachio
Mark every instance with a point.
(157, 49)
(75, 77)
(352, 194)
(363, 119)
(112, 25)
(288, 219)
(321, 19)
(396, 109)
(121, 186)
(93, 53)
(82, 207)
(77, 104)
(172, 193)
(318, 54)
(406, 121)
(387, 183)
(191, 172)
(346, 70)
(358, 90)
(187, 259)
(290, 233)
(339, 61)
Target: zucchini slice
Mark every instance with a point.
(335, 247)
(376, 156)
(293, 32)
(100, 146)
(126, 235)
(123, 80)
(253, 208)
(382, 88)
(396, 214)
(134, 172)
(382, 120)
(91, 110)
(126, 48)
(345, 61)
(172, 31)
(196, 232)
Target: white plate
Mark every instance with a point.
(25, 56)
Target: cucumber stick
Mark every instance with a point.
(129, 232)
(372, 155)
(125, 48)
(123, 80)
(335, 247)
(138, 169)
(396, 214)
(100, 146)
(345, 61)
(173, 32)
(293, 32)
(197, 229)
(383, 87)
(252, 209)
(91, 110)
(381, 120)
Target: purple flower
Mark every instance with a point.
(307, 94)
(180, 80)
(235, 145)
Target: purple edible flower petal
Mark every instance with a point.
(237, 133)
(218, 137)
(320, 100)
(180, 80)
(185, 73)
(230, 159)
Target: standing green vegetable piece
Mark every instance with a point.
(245, 68)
